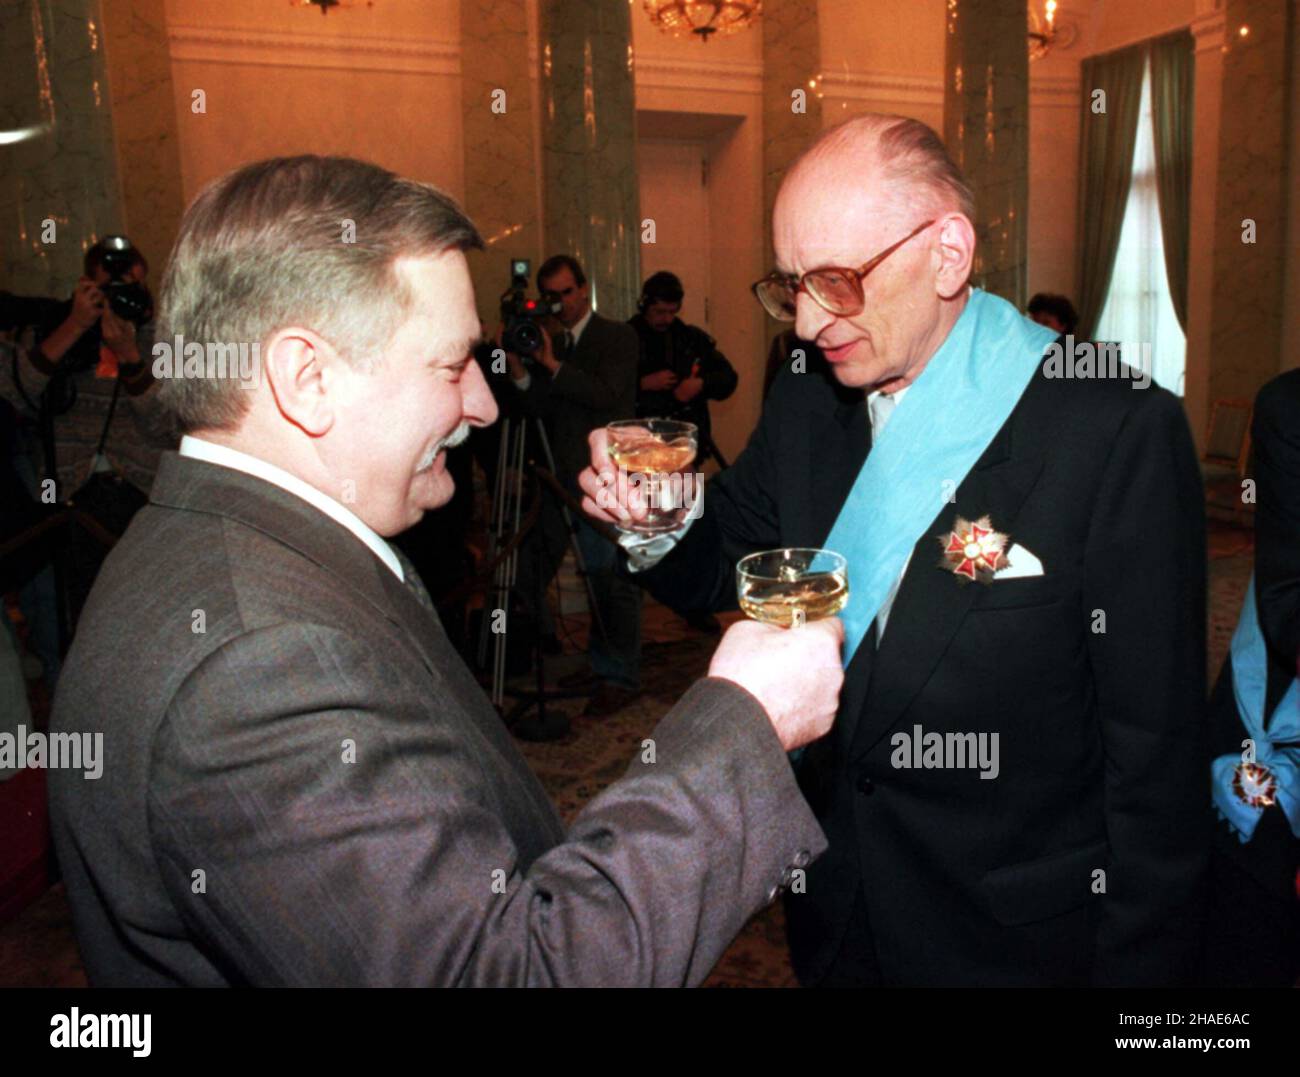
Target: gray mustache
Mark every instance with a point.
(456, 437)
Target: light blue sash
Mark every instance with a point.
(1249, 684)
(934, 437)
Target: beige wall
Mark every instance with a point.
(380, 83)
(1112, 25)
(882, 56)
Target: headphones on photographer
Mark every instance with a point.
(664, 286)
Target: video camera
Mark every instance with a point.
(523, 316)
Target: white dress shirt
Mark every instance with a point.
(224, 456)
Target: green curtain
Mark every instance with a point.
(1172, 110)
(1106, 168)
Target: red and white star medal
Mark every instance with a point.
(973, 551)
(1255, 785)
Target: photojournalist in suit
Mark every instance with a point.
(681, 368)
(584, 378)
(1254, 925)
(302, 784)
(1014, 790)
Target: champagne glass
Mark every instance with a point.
(792, 586)
(654, 452)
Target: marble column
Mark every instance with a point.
(497, 121)
(1251, 196)
(57, 164)
(589, 146)
(1207, 32)
(144, 118)
(792, 103)
(986, 130)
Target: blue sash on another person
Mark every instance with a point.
(935, 436)
(1242, 790)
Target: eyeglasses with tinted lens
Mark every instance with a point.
(835, 289)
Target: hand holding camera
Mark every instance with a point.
(112, 295)
(87, 304)
(523, 334)
(119, 335)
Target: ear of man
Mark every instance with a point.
(954, 255)
(306, 377)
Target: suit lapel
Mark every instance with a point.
(585, 349)
(837, 451)
(932, 602)
(198, 486)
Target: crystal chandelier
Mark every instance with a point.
(702, 18)
(326, 5)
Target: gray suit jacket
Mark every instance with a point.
(303, 783)
(595, 386)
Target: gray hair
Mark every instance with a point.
(310, 241)
(911, 156)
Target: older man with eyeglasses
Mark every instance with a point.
(1014, 788)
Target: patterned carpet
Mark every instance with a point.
(596, 752)
(37, 948)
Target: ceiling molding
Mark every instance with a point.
(274, 48)
(883, 86)
(1208, 31)
(1045, 91)
(1054, 91)
(725, 76)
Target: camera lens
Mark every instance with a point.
(528, 336)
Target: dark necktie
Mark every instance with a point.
(566, 346)
(412, 580)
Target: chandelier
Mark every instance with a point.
(703, 18)
(325, 5)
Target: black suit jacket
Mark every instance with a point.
(681, 348)
(594, 386)
(972, 881)
(305, 785)
(1275, 435)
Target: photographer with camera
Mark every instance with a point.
(582, 376)
(87, 355)
(681, 369)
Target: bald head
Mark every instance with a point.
(899, 160)
(873, 184)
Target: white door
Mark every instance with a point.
(674, 195)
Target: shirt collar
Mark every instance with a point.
(897, 394)
(577, 330)
(224, 456)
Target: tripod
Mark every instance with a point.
(507, 511)
(709, 449)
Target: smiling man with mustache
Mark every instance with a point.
(302, 782)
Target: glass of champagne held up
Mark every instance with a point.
(792, 586)
(655, 453)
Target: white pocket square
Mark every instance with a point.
(1020, 563)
